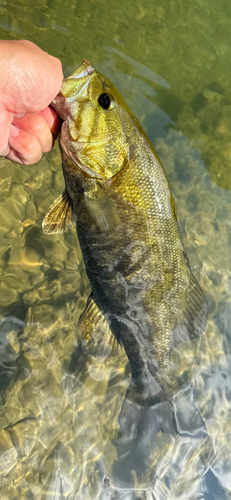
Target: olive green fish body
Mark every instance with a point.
(143, 290)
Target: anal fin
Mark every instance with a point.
(94, 334)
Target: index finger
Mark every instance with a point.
(52, 119)
(5, 123)
(36, 84)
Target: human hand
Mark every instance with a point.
(30, 80)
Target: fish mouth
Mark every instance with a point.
(85, 69)
(73, 87)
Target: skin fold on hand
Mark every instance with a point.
(30, 80)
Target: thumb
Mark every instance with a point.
(6, 119)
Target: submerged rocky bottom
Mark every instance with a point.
(59, 431)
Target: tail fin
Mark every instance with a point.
(140, 424)
(177, 415)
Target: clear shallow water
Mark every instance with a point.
(59, 408)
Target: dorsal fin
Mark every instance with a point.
(194, 317)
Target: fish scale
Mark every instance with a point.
(144, 295)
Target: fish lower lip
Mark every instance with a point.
(92, 143)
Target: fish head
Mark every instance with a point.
(97, 129)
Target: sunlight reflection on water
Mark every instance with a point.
(59, 409)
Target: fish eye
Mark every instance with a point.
(104, 101)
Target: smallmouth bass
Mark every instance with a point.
(144, 294)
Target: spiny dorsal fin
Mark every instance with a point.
(100, 207)
(94, 334)
(60, 217)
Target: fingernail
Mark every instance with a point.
(19, 115)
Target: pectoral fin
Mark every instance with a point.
(194, 316)
(94, 334)
(100, 207)
(60, 217)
